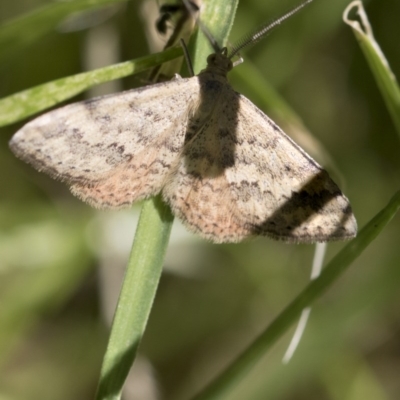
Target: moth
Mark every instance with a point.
(226, 169)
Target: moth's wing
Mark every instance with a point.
(280, 191)
(111, 150)
(243, 176)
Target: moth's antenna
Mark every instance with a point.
(255, 37)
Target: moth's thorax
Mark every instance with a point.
(218, 63)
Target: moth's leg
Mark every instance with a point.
(187, 57)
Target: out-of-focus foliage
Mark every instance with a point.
(212, 299)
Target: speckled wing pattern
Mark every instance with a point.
(112, 150)
(227, 171)
(242, 176)
(295, 199)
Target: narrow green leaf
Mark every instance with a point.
(336, 267)
(28, 102)
(136, 297)
(379, 66)
(18, 33)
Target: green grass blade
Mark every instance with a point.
(28, 102)
(136, 297)
(20, 32)
(336, 267)
(379, 66)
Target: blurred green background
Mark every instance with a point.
(61, 262)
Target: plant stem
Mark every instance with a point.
(137, 295)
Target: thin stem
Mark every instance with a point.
(136, 298)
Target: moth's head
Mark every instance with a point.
(219, 62)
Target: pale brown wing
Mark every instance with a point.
(280, 191)
(111, 150)
(242, 176)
